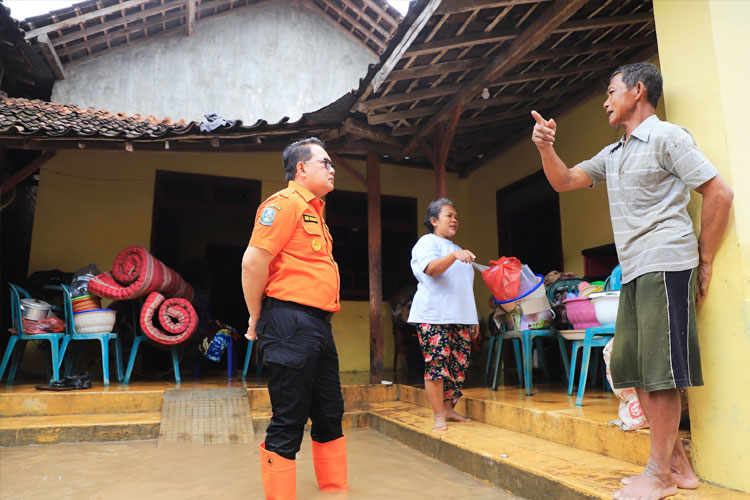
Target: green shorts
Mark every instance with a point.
(656, 338)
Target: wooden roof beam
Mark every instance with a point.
(339, 161)
(604, 22)
(477, 63)
(363, 15)
(567, 105)
(18, 177)
(475, 104)
(539, 55)
(88, 31)
(456, 6)
(80, 20)
(400, 49)
(554, 73)
(51, 56)
(499, 36)
(532, 36)
(390, 100)
(190, 17)
(460, 42)
(365, 131)
(358, 22)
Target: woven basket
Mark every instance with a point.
(86, 303)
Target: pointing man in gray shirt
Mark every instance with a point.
(649, 175)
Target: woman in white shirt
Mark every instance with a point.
(443, 310)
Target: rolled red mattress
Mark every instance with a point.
(168, 321)
(136, 273)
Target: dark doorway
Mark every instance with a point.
(528, 223)
(201, 227)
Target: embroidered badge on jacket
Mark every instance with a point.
(268, 215)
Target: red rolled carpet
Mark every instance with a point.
(136, 273)
(168, 322)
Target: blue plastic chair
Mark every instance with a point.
(526, 339)
(258, 363)
(596, 336)
(16, 293)
(73, 335)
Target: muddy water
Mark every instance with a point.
(379, 468)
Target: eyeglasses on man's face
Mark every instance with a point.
(325, 161)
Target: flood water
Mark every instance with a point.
(379, 468)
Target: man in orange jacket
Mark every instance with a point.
(291, 287)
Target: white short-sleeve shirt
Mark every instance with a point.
(445, 299)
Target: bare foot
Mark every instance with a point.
(682, 471)
(684, 480)
(451, 415)
(440, 423)
(646, 487)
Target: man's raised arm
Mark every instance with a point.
(558, 174)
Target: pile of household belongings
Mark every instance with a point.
(167, 316)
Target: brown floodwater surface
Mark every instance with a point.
(379, 467)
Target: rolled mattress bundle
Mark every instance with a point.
(136, 273)
(167, 316)
(175, 322)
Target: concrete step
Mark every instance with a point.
(551, 415)
(75, 428)
(355, 416)
(525, 465)
(353, 395)
(88, 401)
(25, 401)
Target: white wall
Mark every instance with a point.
(265, 61)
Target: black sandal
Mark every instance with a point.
(79, 381)
(55, 385)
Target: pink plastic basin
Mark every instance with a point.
(580, 312)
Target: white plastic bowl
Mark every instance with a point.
(96, 321)
(605, 306)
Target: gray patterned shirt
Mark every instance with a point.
(649, 178)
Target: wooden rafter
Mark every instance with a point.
(461, 42)
(408, 38)
(339, 161)
(82, 19)
(190, 17)
(531, 37)
(51, 56)
(456, 6)
(365, 131)
(26, 171)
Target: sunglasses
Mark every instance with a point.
(326, 163)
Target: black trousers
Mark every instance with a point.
(304, 376)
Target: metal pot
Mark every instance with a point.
(34, 310)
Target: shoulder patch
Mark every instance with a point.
(268, 215)
(274, 205)
(310, 218)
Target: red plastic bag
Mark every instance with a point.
(503, 278)
(53, 324)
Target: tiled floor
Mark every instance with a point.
(206, 416)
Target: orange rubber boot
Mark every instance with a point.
(329, 460)
(279, 475)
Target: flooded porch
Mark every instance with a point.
(103, 442)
